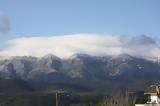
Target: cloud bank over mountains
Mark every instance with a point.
(4, 24)
(65, 46)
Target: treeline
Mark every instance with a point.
(115, 98)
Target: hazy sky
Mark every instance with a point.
(45, 18)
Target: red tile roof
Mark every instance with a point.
(153, 90)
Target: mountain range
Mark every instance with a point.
(78, 69)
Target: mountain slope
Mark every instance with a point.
(89, 72)
(80, 66)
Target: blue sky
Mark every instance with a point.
(52, 17)
(45, 18)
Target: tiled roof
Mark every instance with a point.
(153, 89)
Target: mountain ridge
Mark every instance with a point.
(78, 66)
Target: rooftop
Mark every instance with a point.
(155, 89)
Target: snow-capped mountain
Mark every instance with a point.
(79, 66)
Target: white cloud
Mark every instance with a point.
(4, 24)
(66, 45)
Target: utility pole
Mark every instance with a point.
(58, 94)
(56, 99)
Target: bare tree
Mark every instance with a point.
(119, 98)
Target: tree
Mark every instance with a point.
(119, 98)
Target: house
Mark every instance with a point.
(153, 93)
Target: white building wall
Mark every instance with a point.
(154, 99)
(147, 104)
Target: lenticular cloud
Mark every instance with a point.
(65, 46)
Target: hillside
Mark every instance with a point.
(80, 72)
